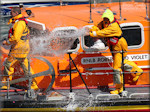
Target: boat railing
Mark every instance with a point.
(99, 96)
(139, 95)
(110, 72)
(106, 96)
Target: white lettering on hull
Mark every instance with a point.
(108, 59)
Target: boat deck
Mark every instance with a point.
(59, 100)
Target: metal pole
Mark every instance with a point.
(91, 21)
(124, 93)
(30, 92)
(29, 75)
(8, 85)
(146, 11)
(80, 76)
(70, 72)
(123, 71)
(120, 9)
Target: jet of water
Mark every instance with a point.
(57, 43)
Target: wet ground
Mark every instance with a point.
(18, 98)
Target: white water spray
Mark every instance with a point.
(57, 43)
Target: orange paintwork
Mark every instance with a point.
(78, 16)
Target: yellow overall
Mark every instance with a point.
(113, 30)
(19, 41)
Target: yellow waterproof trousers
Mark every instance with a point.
(133, 68)
(10, 65)
(117, 59)
(128, 66)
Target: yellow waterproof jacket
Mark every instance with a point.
(113, 30)
(19, 40)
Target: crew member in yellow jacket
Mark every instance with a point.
(18, 38)
(110, 30)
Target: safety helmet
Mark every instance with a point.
(108, 14)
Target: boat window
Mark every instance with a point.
(89, 41)
(88, 44)
(68, 37)
(134, 34)
(75, 46)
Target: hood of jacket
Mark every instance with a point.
(108, 14)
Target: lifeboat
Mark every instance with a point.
(63, 61)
